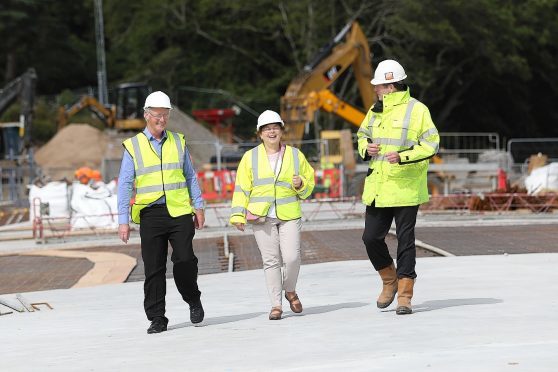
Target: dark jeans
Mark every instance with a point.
(376, 227)
(157, 229)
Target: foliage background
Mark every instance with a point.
(480, 65)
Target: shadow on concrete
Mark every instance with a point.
(453, 302)
(217, 320)
(326, 308)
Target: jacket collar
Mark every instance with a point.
(397, 98)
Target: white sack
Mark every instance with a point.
(53, 193)
(93, 208)
(542, 179)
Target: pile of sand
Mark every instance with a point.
(81, 145)
(76, 145)
(199, 139)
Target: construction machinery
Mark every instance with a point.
(311, 90)
(17, 136)
(125, 113)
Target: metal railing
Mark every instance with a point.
(520, 151)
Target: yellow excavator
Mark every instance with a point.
(310, 91)
(126, 113)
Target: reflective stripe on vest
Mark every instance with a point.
(271, 180)
(257, 181)
(142, 170)
(159, 175)
(402, 141)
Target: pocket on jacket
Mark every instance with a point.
(408, 171)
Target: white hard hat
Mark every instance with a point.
(269, 117)
(387, 72)
(157, 99)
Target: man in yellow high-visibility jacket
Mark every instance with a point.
(159, 163)
(398, 138)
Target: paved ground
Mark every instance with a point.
(23, 272)
(476, 313)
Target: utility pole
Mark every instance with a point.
(101, 65)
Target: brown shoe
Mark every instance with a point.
(294, 301)
(275, 313)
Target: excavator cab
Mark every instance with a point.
(129, 99)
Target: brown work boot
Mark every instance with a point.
(389, 278)
(405, 289)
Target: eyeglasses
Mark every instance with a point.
(269, 129)
(158, 116)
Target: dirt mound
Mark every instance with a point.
(199, 139)
(79, 145)
(76, 145)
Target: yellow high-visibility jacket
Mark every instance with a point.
(404, 126)
(256, 186)
(156, 176)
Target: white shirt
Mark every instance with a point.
(275, 163)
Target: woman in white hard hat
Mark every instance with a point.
(270, 181)
(398, 138)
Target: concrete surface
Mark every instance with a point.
(476, 313)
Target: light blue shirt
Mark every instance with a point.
(128, 174)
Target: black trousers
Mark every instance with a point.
(376, 227)
(157, 229)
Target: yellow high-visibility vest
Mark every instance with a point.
(156, 176)
(257, 187)
(404, 126)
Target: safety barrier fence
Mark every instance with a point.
(324, 209)
(494, 202)
(218, 185)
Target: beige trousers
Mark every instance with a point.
(279, 244)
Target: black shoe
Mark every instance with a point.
(196, 312)
(158, 325)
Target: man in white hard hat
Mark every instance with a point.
(398, 138)
(168, 206)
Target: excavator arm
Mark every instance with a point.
(104, 114)
(327, 101)
(310, 91)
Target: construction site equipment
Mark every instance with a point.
(126, 113)
(17, 136)
(339, 149)
(311, 90)
(220, 121)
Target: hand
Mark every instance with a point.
(297, 182)
(393, 157)
(373, 149)
(124, 232)
(239, 226)
(199, 219)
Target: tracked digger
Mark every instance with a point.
(311, 91)
(125, 113)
